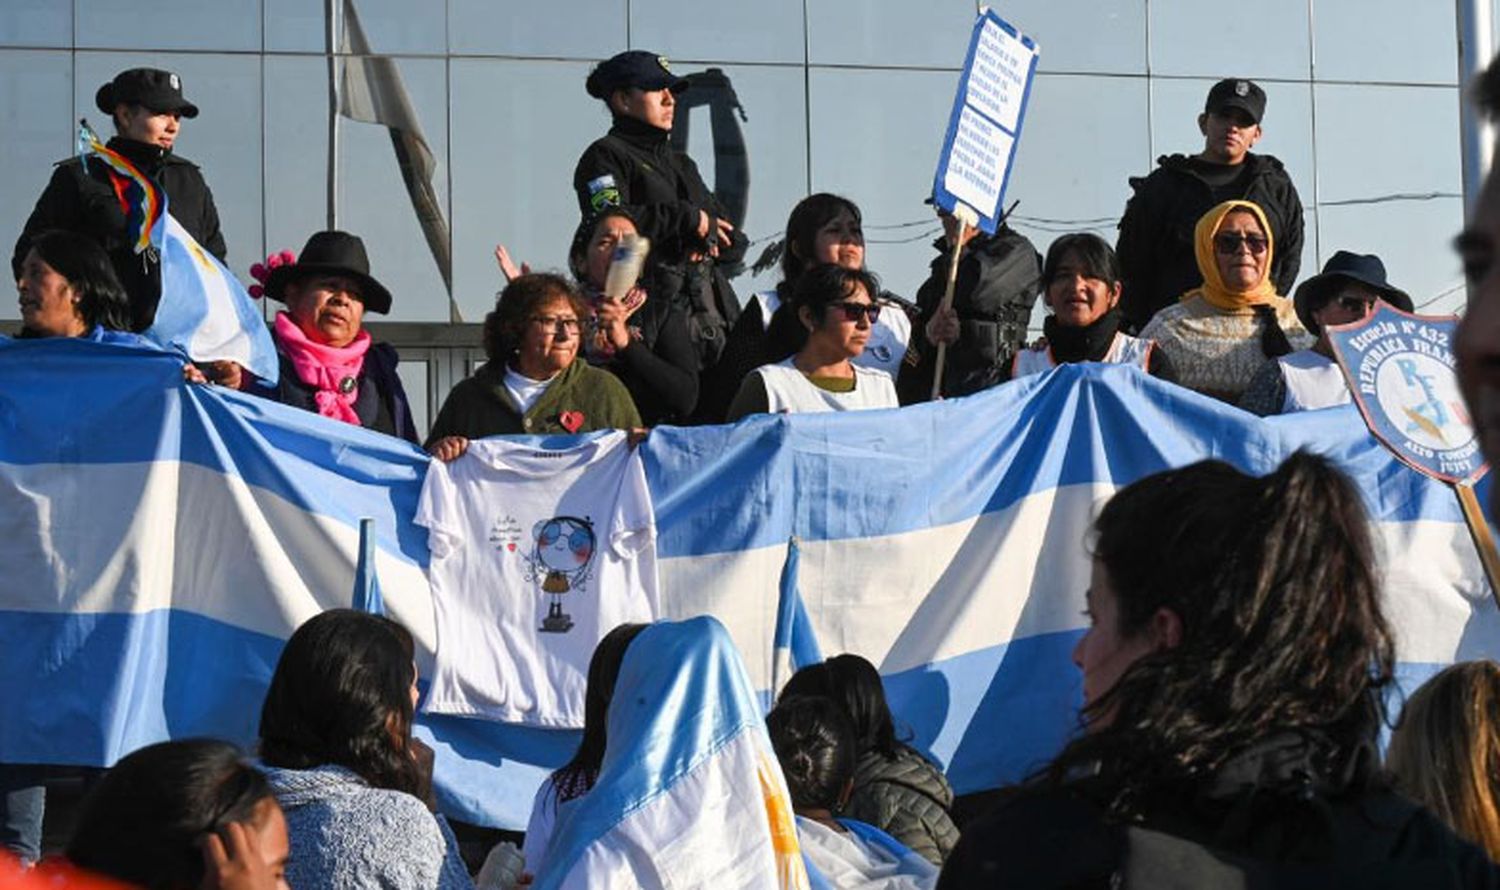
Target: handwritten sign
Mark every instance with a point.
(988, 111)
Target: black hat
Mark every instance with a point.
(1237, 93)
(332, 253)
(158, 90)
(1365, 268)
(633, 68)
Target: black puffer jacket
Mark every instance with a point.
(85, 202)
(907, 798)
(1156, 232)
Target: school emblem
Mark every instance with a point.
(1400, 370)
(561, 561)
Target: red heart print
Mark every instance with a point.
(572, 421)
(511, 546)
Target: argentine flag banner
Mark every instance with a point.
(204, 311)
(162, 540)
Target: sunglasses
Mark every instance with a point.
(1228, 243)
(852, 310)
(1362, 305)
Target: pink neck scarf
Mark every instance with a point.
(325, 368)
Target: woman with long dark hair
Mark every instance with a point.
(335, 736)
(895, 788)
(576, 778)
(1234, 680)
(183, 815)
(68, 288)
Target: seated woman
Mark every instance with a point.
(824, 326)
(1345, 291)
(575, 778)
(329, 363)
(182, 816)
(68, 288)
(896, 789)
(1081, 285)
(1235, 673)
(1445, 751)
(814, 741)
(532, 383)
(822, 228)
(335, 738)
(642, 341)
(1221, 334)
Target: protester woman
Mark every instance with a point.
(817, 334)
(578, 775)
(643, 341)
(1235, 673)
(822, 228)
(68, 288)
(1221, 334)
(814, 742)
(1445, 751)
(183, 815)
(335, 737)
(532, 382)
(1081, 286)
(895, 789)
(329, 362)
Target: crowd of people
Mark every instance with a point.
(1237, 666)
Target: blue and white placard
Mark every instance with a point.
(985, 126)
(1400, 369)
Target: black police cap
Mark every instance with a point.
(633, 68)
(153, 88)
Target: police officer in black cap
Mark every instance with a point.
(147, 107)
(1156, 233)
(634, 166)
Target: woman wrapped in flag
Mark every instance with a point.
(90, 198)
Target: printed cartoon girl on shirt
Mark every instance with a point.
(561, 560)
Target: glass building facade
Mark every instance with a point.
(849, 96)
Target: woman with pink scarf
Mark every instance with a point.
(329, 364)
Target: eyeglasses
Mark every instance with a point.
(852, 310)
(1228, 243)
(556, 323)
(1351, 303)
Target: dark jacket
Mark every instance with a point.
(907, 798)
(1156, 233)
(381, 403)
(634, 166)
(660, 366)
(84, 202)
(999, 277)
(479, 405)
(1283, 814)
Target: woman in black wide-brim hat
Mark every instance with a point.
(329, 363)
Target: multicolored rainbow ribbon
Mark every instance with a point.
(140, 197)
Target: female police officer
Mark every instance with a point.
(635, 166)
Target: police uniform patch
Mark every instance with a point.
(662, 61)
(172, 79)
(603, 192)
(1241, 88)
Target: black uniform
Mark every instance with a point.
(85, 202)
(634, 166)
(1156, 232)
(999, 277)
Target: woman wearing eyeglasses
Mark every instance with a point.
(532, 383)
(824, 325)
(1346, 291)
(1219, 335)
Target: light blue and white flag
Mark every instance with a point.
(161, 541)
(795, 642)
(689, 793)
(367, 597)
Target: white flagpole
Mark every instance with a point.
(333, 9)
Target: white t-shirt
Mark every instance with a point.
(536, 555)
(523, 389)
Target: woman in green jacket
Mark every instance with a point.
(532, 383)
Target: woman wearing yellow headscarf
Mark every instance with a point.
(1221, 333)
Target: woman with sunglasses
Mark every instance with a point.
(1220, 334)
(819, 331)
(1346, 291)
